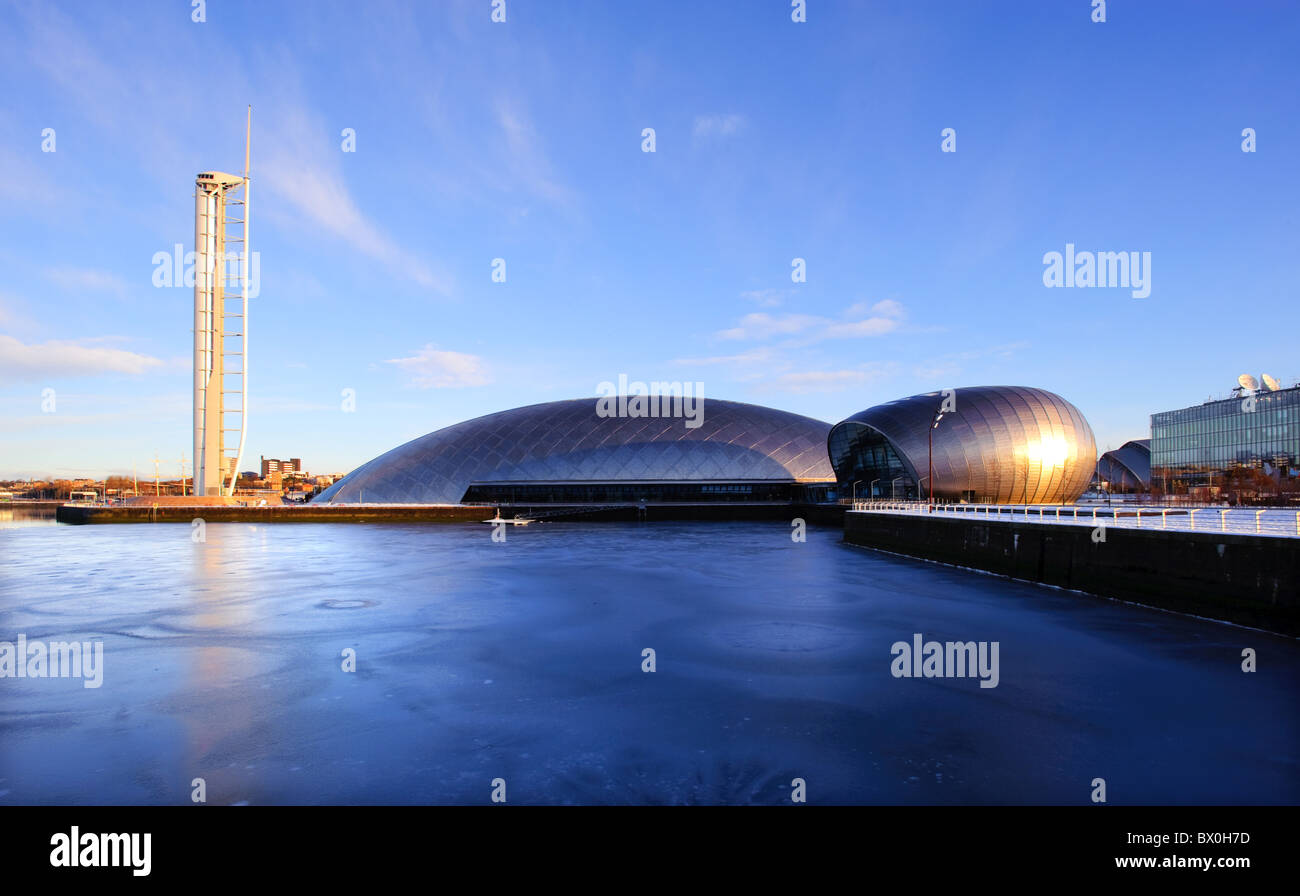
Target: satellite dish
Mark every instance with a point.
(1247, 382)
(1270, 384)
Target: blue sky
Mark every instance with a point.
(775, 140)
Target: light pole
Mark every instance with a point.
(929, 492)
(855, 494)
(872, 488)
(893, 491)
(918, 485)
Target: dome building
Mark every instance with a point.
(571, 452)
(1127, 469)
(991, 444)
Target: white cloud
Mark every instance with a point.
(885, 307)
(756, 356)
(434, 369)
(85, 278)
(767, 298)
(761, 325)
(829, 380)
(871, 326)
(885, 317)
(718, 125)
(524, 154)
(948, 367)
(63, 359)
(300, 167)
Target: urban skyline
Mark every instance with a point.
(393, 175)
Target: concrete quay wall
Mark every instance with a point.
(274, 513)
(1248, 579)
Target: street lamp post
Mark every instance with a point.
(855, 495)
(929, 491)
(872, 488)
(893, 491)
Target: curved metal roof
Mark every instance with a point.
(1127, 467)
(1004, 444)
(567, 441)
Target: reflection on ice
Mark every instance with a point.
(226, 660)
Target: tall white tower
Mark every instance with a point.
(221, 270)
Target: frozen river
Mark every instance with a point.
(523, 661)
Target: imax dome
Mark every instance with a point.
(993, 444)
(565, 451)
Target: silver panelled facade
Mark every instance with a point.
(994, 444)
(568, 441)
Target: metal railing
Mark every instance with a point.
(1241, 521)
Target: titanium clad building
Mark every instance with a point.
(567, 452)
(1195, 447)
(992, 444)
(1127, 469)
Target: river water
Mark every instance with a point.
(523, 661)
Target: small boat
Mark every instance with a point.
(516, 521)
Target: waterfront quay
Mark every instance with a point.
(79, 514)
(177, 512)
(1239, 566)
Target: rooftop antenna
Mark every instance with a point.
(1270, 384)
(1247, 382)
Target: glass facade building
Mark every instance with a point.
(993, 444)
(566, 452)
(1194, 447)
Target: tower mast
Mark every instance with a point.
(217, 222)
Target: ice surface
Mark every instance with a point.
(522, 660)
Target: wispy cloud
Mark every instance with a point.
(881, 318)
(24, 181)
(946, 367)
(87, 279)
(805, 381)
(524, 155)
(64, 359)
(434, 369)
(300, 167)
(760, 325)
(765, 298)
(10, 317)
(756, 356)
(718, 125)
(296, 158)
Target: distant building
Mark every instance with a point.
(1127, 469)
(273, 465)
(1201, 446)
